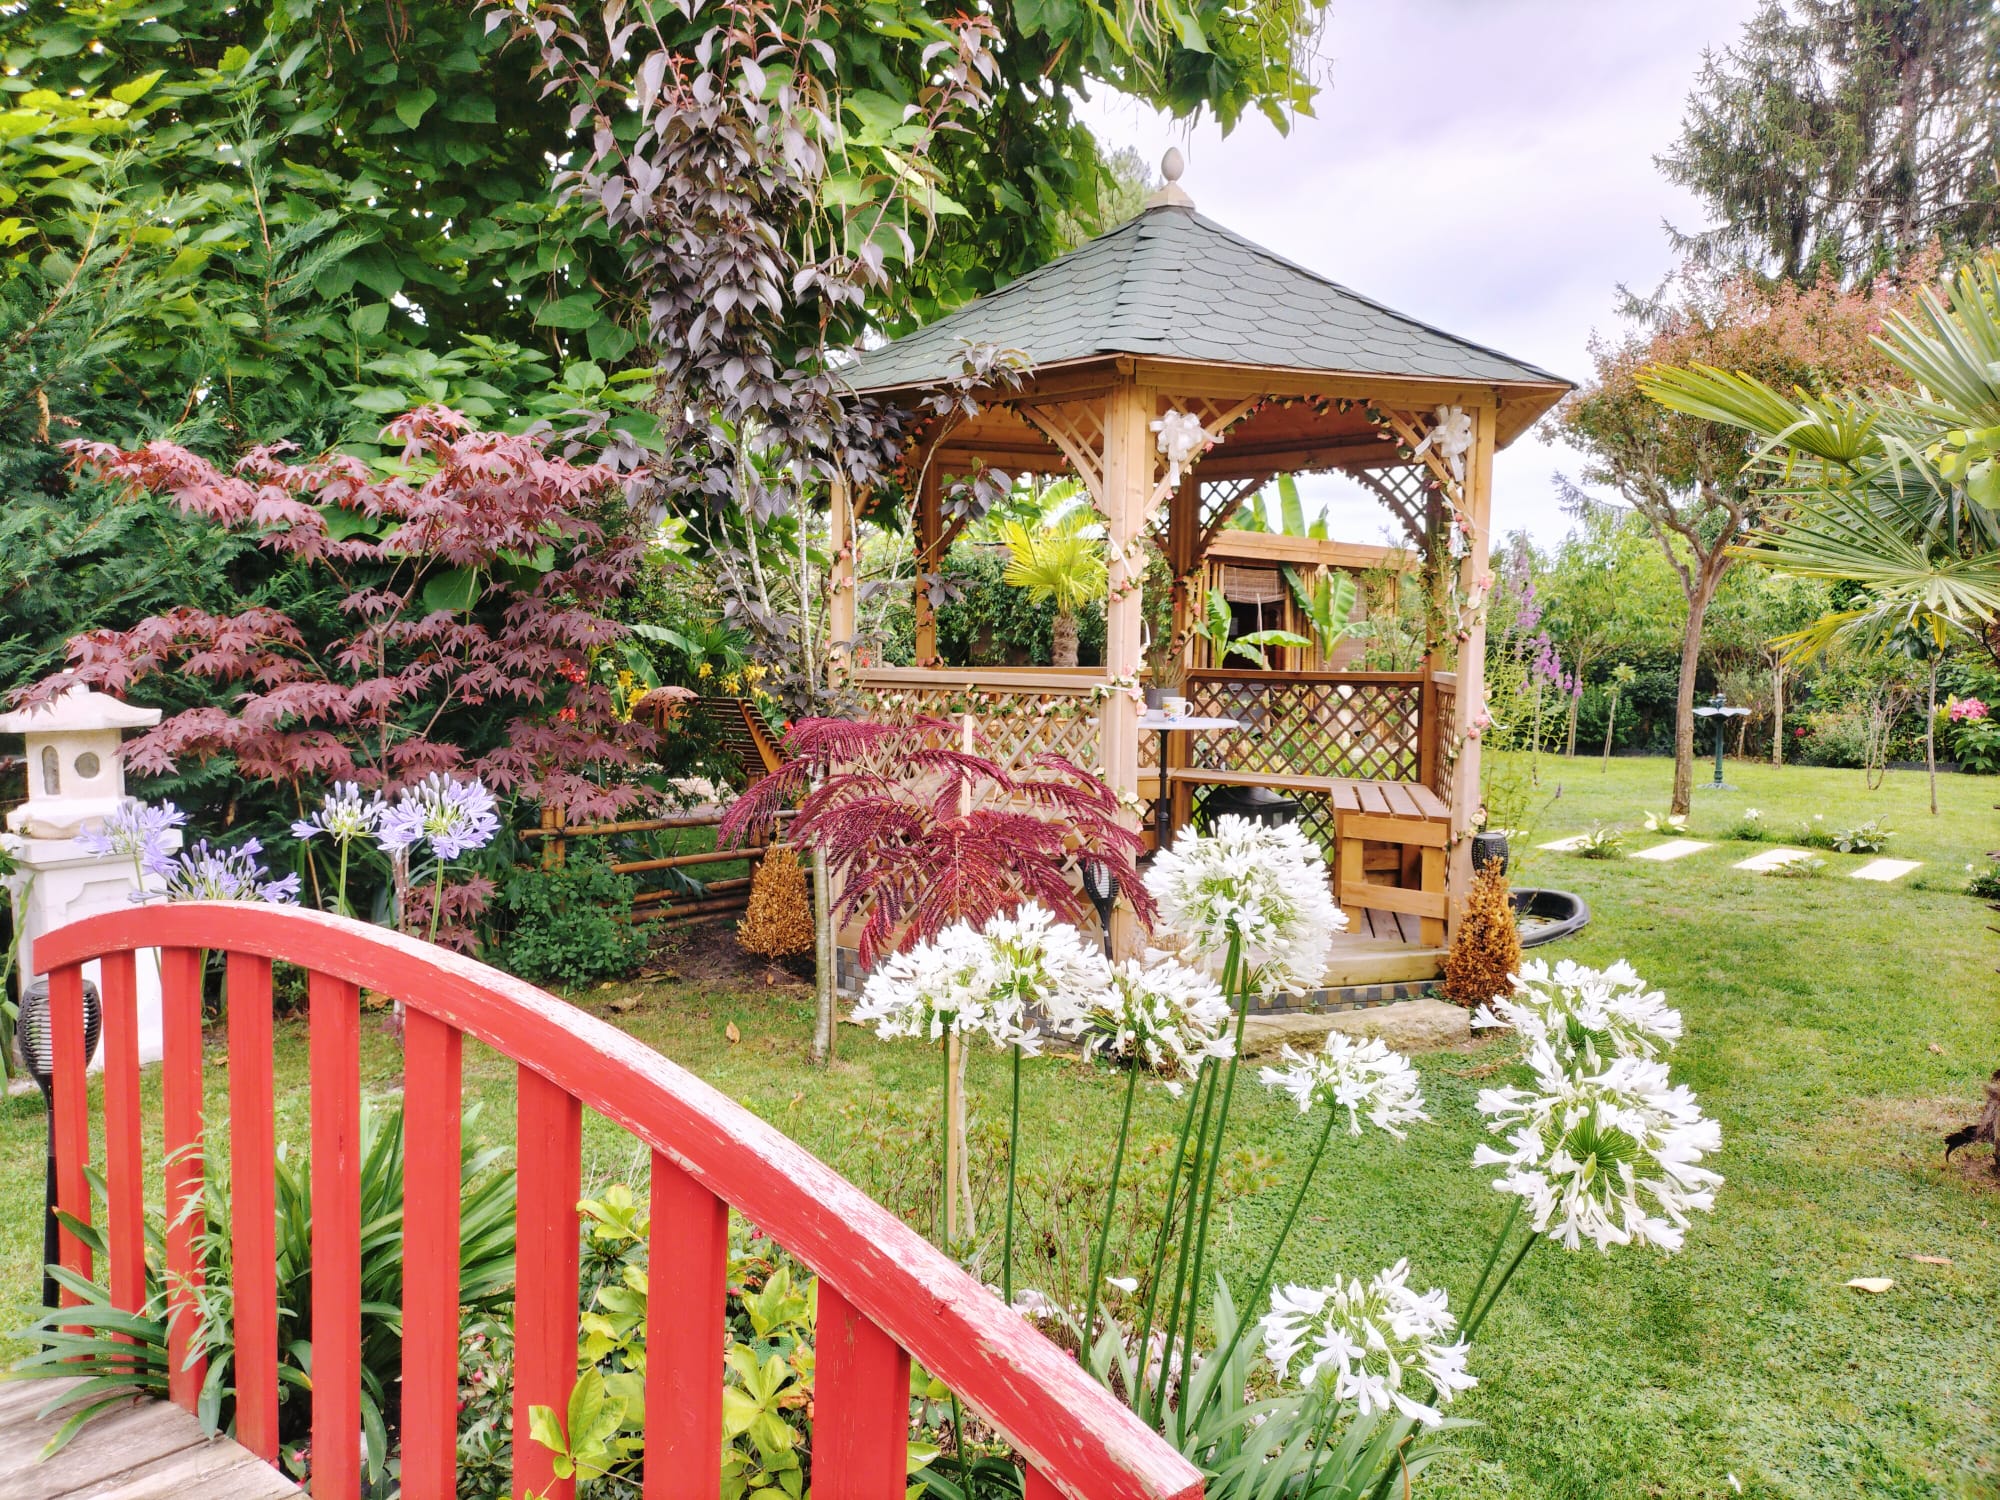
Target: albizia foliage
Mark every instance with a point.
(918, 834)
(461, 603)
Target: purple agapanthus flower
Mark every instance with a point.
(138, 831)
(453, 817)
(203, 873)
(344, 815)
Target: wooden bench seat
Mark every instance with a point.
(1413, 818)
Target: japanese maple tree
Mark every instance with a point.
(919, 834)
(458, 602)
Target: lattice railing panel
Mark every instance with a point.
(1311, 725)
(1014, 725)
(1316, 817)
(1447, 760)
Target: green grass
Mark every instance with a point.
(1835, 1027)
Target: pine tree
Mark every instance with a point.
(1486, 953)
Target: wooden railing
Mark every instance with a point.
(1020, 712)
(1367, 725)
(885, 1295)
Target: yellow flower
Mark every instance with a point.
(754, 671)
(704, 670)
(730, 683)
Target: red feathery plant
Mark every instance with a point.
(920, 834)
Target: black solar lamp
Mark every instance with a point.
(1102, 887)
(34, 1040)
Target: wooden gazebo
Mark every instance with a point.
(1169, 320)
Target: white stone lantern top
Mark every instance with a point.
(75, 775)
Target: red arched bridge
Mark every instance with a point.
(885, 1295)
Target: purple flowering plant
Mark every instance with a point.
(137, 831)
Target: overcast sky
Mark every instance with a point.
(1484, 165)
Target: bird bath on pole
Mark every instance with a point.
(1721, 714)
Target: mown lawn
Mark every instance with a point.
(1835, 1027)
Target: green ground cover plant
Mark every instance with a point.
(1835, 1028)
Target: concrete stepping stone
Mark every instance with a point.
(1885, 870)
(1563, 846)
(1772, 859)
(1672, 849)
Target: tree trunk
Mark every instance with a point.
(1777, 713)
(1610, 728)
(1062, 639)
(1683, 800)
(1930, 738)
(825, 1023)
(1575, 705)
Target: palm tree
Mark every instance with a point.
(1060, 557)
(1895, 492)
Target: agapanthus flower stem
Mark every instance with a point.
(1263, 1287)
(1154, 1279)
(1493, 1255)
(1235, 981)
(1174, 1307)
(437, 901)
(1110, 1209)
(1479, 1313)
(1013, 1159)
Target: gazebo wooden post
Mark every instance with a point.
(1470, 695)
(929, 525)
(1125, 502)
(841, 542)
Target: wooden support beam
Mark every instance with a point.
(930, 528)
(1126, 502)
(1471, 678)
(842, 543)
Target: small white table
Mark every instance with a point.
(1153, 718)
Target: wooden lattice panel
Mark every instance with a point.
(1028, 723)
(1405, 489)
(1076, 427)
(1447, 760)
(1311, 725)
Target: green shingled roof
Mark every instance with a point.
(1171, 284)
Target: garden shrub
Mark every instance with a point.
(778, 923)
(1837, 738)
(1602, 841)
(1486, 953)
(1985, 881)
(570, 926)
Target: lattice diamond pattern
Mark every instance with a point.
(1033, 722)
(1405, 490)
(1076, 427)
(1447, 761)
(1303, 727)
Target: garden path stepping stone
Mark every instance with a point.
(1563, 846)
(1671, 849)
(1772, 859)
(1885, 869)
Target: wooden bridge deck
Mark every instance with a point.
(147, 1451)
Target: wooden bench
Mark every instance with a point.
(1413, 819)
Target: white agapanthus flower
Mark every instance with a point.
(1266, 886)
(1613, 1157)
(1586, 1016)
(1361, 1077)
(983, 980)
(1170, 1017)
(1367, 1339)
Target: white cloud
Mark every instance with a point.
(1484, 165)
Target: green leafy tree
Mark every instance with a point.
(1844, 136)
(1060, 561)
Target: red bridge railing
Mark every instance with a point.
(885, 1294)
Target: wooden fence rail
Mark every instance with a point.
(886, 1296)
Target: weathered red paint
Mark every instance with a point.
(549, 1153)
(180, 1108)
(253, 1203)
(891, 1288)
(432, 1101)
(334, 1013)
(861, 1405)
(124, 1148)
(71, 1124)
(688, 1253)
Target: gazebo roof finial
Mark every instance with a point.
(1172, 195)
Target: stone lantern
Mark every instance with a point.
(75, 779)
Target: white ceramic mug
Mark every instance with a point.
(1174, 708)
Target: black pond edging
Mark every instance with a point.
(1545, 915)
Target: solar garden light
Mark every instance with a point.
(34, 1039)
(1717, 711)
(1102, 887)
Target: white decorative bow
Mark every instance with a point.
(1451, 438)
(1182, 439)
